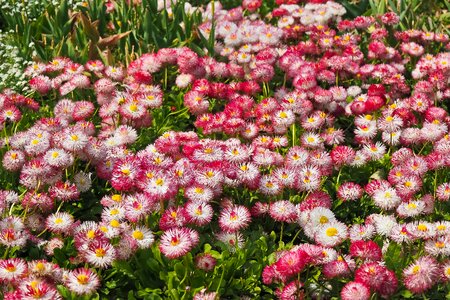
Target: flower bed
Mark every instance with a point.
(304, 157)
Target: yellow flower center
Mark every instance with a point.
(138, 235)
(323, 220)
(332, 231)
(422, 227)
(82, 279)
(114, 223)
(100, 252)
(116, 197)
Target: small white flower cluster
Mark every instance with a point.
(12, 66)
(31, 9)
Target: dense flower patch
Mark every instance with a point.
(312, 157)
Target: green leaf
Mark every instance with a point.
(125, 268)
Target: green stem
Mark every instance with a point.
(5, 255)
(281, 234)
(423, 147)
(186, 268)
(221, 279)
(165, 78)
(435, 182)
(293, 134)
(295, 237)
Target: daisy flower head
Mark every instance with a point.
(421, 229)
(319, 216)
(198, 212)
(361, 232)
(443, 192)
(142, 237)
(132, 109)
(234, 218)
(74, 140)
(386, 198)
(174, 216)
(36, 288)
(58, 158)
(350, 191)
(231, 240)
(309, 178)
(177, 242)
(372, 274)
(410, 209)
(100, 253)
(13, 160)
(331, 234)
(60, 222)
(82, 281)
(311, 140)
(446, 271)
(205, 262)
(342, 155)
(374, 151)
(421, 275)
(354, 290)
(438, 246)
(292, 263)
(269, 185)
(383, 223)
(341, 267)
(12, 269)
(283, 211)
(365, 250)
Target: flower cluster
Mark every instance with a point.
(357, 124)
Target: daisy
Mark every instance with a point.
(132, 109)
(12, 269)
(231, 240)
(361, 232)
(142, 236)
(177, 242)
(311, 140)
(421, 275)
(350, 191)
(410, 209)
(320, 216)
(59, 222)
(100, 253)
(237, 153)
(283, 211)
(199, 212)
(438, 246)
(82, 281)
(386, 198)
(209, 176)
(269, 185)
(354, 290)
(331, 234)
(292, 263)
(296, 157)
(421, 229)
(337, 268)
(234, 218)
(205, 262)
(13, 160)
(59, 158)
(174, 216)
(365, 250)
(74, 141)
